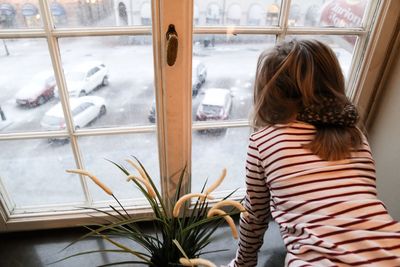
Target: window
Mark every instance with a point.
(136, 104)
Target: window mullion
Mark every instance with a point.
(283, 20)
(55, 56)
(174, 92)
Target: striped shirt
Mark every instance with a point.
(327, 211)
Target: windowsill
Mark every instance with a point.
(38, 248)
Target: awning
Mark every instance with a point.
(29, 10)
(57, 9)
(213, 11)
(7, 10)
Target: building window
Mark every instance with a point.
(31, 15)
(234, 14)
(255, 15)
(145, 14)
(7, 15)
(213, 14)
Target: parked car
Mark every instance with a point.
(199, 75)
(86, 77)
(84, 110)
(38, 90)
(216, 105)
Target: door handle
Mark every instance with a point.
(172, 45)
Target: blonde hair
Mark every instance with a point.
(298, 74)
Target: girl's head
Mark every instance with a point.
(302, 79)
(294, 75)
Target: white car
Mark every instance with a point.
(86, 77)
(39, 90)
(84, 110)
(216, 105)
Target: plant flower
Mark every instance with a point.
(186, 197)
(228, 202)
(227, 218)
(197, 261)
(217, 182)
(94, 179)
(139, 169)
(145, 182)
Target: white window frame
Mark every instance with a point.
(174, 122)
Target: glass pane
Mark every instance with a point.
(218, 149)
(97, 13)
(222, 84)
(322, 13)
(113, 75)
(118, 148)
(223, 90)
(33, 173)
(248, 13)
(20, 14)
(342, 45)
(27, 84)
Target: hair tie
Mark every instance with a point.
(329, 113)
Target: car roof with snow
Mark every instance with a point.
(215, 96)
(84, 66)
(73, 103)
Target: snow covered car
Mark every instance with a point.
(86, 77)
(84, 110)
(216, 105)
(38, 90)
(199, 75)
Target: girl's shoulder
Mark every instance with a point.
(295, 126)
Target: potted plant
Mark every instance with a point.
(179, 236)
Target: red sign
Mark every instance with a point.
(343, 13)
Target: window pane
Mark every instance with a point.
(33, 173)
(216, 150)
(223, 84)
(343, 46)
(20, 14)
(249, 13)
(223, 90)
(321, 13)
(115, 74)
(27, 84)
(98, 13)
(96, 150)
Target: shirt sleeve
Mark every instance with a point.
(253, 227)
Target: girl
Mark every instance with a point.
(310, 168)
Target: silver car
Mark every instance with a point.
(84, 110)
(86, 77)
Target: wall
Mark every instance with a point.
(384, 136)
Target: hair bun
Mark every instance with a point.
(329, 113)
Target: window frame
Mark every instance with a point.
(174, 122)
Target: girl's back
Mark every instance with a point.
(328, 211)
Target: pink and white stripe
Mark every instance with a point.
(328, 211)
